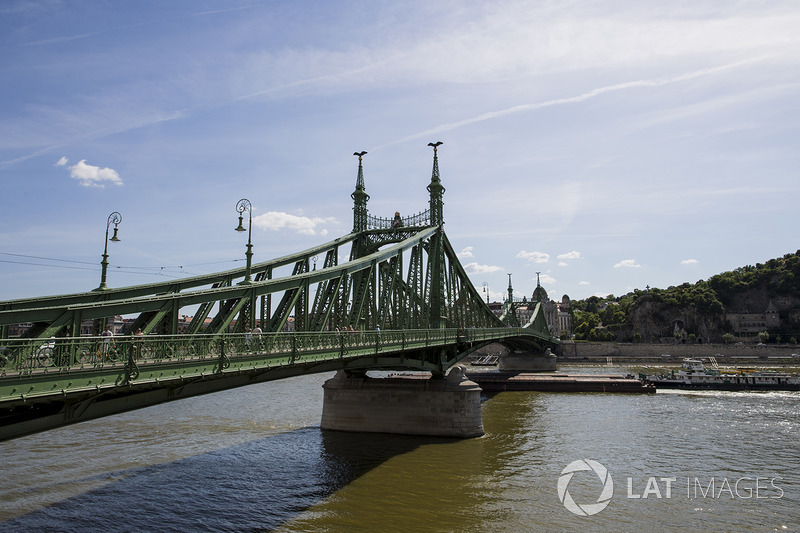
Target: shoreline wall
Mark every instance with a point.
(580, 350)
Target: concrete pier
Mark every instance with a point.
(527, 362)
(410, 405)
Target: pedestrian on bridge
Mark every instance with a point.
(137, 342)
(257, 334)
(107, 340)
(248, 337)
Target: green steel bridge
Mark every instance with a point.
(401, 301)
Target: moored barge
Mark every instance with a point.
(693, 374)
(495, 381)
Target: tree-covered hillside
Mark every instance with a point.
(701, 310)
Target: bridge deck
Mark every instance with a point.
(64, 376)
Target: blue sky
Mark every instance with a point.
(608, 145)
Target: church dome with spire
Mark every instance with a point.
(539, 294)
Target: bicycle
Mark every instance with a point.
(98, 353)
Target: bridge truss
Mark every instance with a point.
(400, 300)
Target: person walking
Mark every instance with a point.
(107, 340)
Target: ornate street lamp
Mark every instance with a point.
(242, 206)
(114, 218)
(486, 291)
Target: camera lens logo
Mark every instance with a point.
(587, 509)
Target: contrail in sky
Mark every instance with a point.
(75, 37)
(656, 82)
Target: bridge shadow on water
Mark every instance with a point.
(255, 486)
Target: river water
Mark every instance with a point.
(254, 459)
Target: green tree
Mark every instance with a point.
(591, 304)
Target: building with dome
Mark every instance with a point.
(557, 315)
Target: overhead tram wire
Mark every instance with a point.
(159, 270)
(44, 259)
(46, 265)
(121, 269)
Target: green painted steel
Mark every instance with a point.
(32, 369)
(65, 380)
(403, 289)
(25, 310)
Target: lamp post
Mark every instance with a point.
(486, 291)
(114, 218)
(242, 206)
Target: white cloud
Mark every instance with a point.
(583, 283)
(562, 264)
(466, 252)
(90, 175)
(570, 255)
(475, 268)
(627, 263)
(536, 257)
(690, 262)
(276, 220)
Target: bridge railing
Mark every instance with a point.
(419, 219)
(27, 356)
(21, 357)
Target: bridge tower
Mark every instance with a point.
(344, 315)
(509, 315)
(360, 198)
(436, 189)
(436, 259)
(441, 407)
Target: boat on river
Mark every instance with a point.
(693, 374)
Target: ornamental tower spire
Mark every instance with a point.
(360, 198)
(436, 189)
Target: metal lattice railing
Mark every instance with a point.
(135, 356)
(418, 220)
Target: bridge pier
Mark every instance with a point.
(408, 405)
(527, 362)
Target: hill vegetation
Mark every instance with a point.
(698, 312)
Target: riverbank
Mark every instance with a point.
(640, 353)
(601, 353)
(569, 349)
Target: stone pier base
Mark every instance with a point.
(447, 407)
(527, 362)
